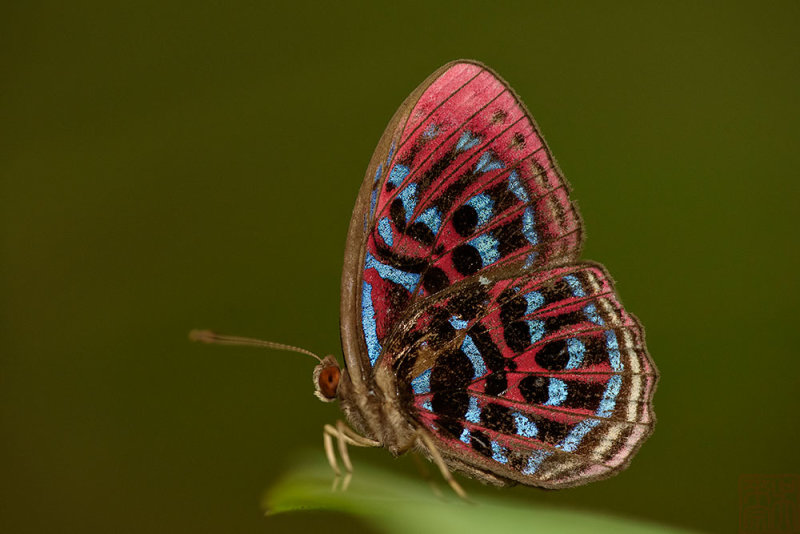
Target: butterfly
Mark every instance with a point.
(472, 332)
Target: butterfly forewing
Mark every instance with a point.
(467, 185)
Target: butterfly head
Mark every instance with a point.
(326, 379)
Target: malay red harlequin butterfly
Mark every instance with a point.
(472, 333)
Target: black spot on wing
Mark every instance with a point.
(450, 404)
(441, 332)
(480, 442)
(434, 280)
(510, 237)
(499, 116)
(553, 356)
(517, 336)
(584, 394)
(516, 333)
(513, 307)
(466, 259)
(448, 198)
(518, 460)
(551, 431)
(491, 354)
(555, 323)
(596, 350)
(420, 232)
(534, 389)
(435, 172)
(502, 198)
(452, 371)
(556, 291)
(498, 418)
(449, 378)
(410, 265)
(450, 426)
(496, 383)
(469, 302)
(398, 214)
(465, 219)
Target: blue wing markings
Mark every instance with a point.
(474, 355)
(369, 324)
(467, 140)
(473, 411)
(576, 435)
(488, 162)
(525, 427)
(516, 187)
(609, 400)
(432, 219)
(613, 351)
(483, 205)
(557, 392)
(536, 327)
(431, 131)
(529, 226)
(575, 285)
(458, 324)
(398, 174)
(408, 196)
(591, 313)
(391, 153)
(393, 274)
(535, 301)
(372, 202)
(385, 231)
(534, 461)
(422, 384)
(577, 351)
(499, 453)
(487, 246)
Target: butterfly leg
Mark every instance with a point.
(344, 436)
(426, 475)
(439, 461)
(328, 442)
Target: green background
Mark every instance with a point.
(166, 167)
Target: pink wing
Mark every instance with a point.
(468, 187)
(546, 381)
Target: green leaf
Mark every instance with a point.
(393, 503)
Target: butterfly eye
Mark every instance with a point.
(329, 382)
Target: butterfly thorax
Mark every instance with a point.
(374, 410)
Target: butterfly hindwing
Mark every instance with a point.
(466, 185)
(548, 383)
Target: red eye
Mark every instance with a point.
(329, 381)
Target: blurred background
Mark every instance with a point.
(169, 166)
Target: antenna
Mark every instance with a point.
(207, 336)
